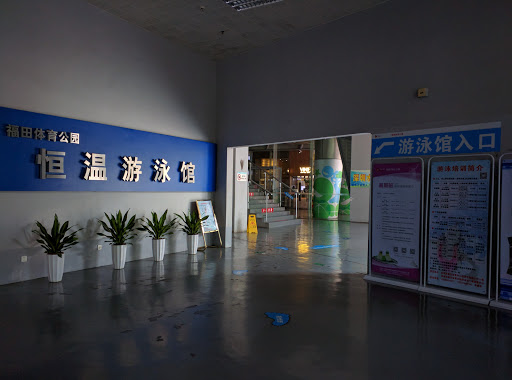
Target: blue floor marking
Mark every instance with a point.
(325, 246)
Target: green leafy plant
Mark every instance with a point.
(158, 228)
(119, 229)
(57, 240)
(191, 224)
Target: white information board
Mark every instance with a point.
(396, 218)
(205, 208)
(458, 229)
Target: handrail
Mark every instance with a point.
(271, 176)
(260, 187)
(265, 172)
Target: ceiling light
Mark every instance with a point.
(243, 5)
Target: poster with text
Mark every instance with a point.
(396, 219)
(205, 208)
(458, 224)
(506, 231)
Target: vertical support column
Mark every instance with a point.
(311, 190)
(328, 175)
(361, 160)
(240, 194)
(228, 217)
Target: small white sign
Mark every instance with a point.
(241, 176)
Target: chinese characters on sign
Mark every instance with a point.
(443, 144)
(187, 172)
(458, 227)
(449, 141)
(51, 164)
(161, 170)
(132, 170)
(50, 153)
(360, 178)
(96, 170)
(39, 134)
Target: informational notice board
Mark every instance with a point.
(205, 208)
(396, 218)
(505, 262)
(458, 228)
(209, 225)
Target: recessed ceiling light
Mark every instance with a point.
(243, 5)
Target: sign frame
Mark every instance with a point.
(498, 301)
(202, 226)
(452, 292)
(377, 278)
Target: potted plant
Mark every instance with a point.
(191, 225)
(55, 243)
(158, 228)
(118, 231)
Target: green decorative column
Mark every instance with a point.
(344, 198)
(327, 183)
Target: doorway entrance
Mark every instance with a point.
(312, 179)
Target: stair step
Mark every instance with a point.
(257, 210)
(258, 197)
(277, 218)
(275, 213)
(283, 223)
(258, 202)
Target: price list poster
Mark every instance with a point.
(459, 224)
(396, 219)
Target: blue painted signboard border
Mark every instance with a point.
(20, 172)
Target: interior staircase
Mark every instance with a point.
(278, 217)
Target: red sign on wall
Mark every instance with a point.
(267, 210)
(251, 194)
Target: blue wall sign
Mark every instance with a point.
(49, 153)
(458, 140)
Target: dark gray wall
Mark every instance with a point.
(360, 74)
(68, 58)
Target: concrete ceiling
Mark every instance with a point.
(214, 28)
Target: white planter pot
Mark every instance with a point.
(192, 241)
(119, 256)
(55, 268)
(158, 249)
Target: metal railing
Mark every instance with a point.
(267, 176)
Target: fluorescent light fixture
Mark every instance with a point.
(243, 5)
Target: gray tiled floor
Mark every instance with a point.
(192, 318)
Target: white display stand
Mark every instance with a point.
(390, 263)
(498, 302)
(210, 225)
(391, 282)
(453, 213)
